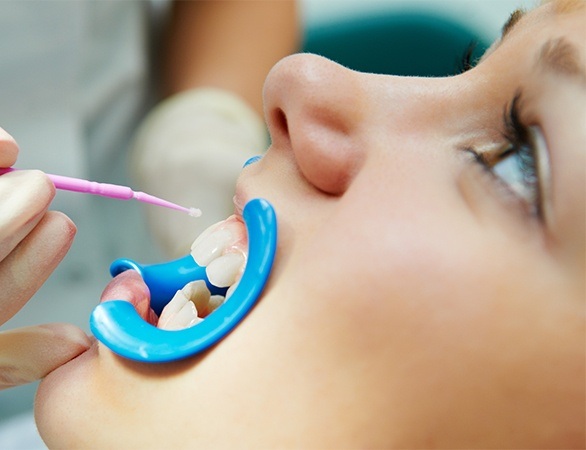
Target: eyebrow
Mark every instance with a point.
(557, 56)
(514, 17)
(561, 57)
(511, 21)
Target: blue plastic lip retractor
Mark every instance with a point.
(120, 328)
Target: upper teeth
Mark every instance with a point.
(222, 249)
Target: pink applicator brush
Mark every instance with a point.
(111, 191)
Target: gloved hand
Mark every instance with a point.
(190, 150)
(32, 243)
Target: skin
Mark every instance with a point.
(414, 302)
(32, 243)
(212, 44)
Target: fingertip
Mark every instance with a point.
(62, 231)
(27, 192)
(8, 149)
(63, 221)
(70, 335)
(33, 352)
(30, 257)
(39, 182)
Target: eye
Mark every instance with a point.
(522, 162)
(516, 166)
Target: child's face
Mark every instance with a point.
(416, 300)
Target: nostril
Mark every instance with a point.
(281, 121)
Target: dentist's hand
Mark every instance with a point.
(32, 243)
(190, 150)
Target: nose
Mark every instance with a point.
(314, 108)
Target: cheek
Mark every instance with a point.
(450, 325)
(365, 273)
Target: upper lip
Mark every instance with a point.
(239, 201)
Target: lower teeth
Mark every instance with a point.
(222, 249)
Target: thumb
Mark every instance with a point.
(30, 353)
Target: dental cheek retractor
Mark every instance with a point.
(118, 325)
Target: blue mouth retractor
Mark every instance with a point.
(120, 328)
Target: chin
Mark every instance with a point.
(59, 402)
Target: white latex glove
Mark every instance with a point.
(32, 243)
(190, 150)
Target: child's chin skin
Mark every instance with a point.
(58, 389)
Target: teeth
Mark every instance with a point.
(231, 290)
(178, 314)
(222, 250)
(215, 301)
(218, 238)
(189, 306)
(208, 249)
(198, 293)
(225, 270)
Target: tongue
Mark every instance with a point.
(130, 287)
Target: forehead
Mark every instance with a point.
(556, 29)
(551, 12)
(556, 14)
(562, 6)
(559, 30)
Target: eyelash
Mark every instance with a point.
(467, 60)
(517, 135)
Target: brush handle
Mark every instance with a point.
(85, 186)
(91, 187)
(109, 190)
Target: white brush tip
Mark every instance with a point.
(194, 212)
